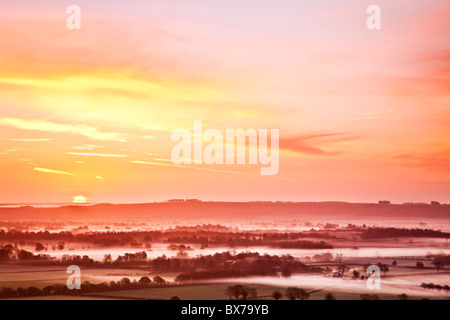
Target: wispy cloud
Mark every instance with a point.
(86, 147)
(97, 154)
(152, 163)
(187, 167)
(436, 162)
(42, 125)
(53, 171)
(99, 177)
(170, 160)
(28, 140)
(308, 144)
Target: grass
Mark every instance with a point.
(29, 276)
(40, 278)
(209, 291)
(216, 291)
(61, 297)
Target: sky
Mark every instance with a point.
(363, 114)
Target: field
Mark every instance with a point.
(215, 291)
(41, 277)
(325, 259)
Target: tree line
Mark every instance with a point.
(86, 287)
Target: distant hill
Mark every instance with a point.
(198, 210)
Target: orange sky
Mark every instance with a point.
(363, 114)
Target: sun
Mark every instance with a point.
(79, 199)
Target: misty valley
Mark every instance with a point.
(285, 258)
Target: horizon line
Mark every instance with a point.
(191, 200)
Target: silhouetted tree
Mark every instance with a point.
(159, 281)
(437, 264)
(277, 295)
(383, 267)
(125, 282)
(25, 255)
(330, 296)
(293, 293)
(369, 297)
(107, 258)
(61, 245)
(86, 286)
(229, 292)
(8, 293)
(33, 291)
(39, 247)
(286, 273)
(303, 295)
(144, 281)
(21, 292)
(248, 292)
(48, 290)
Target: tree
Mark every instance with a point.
(394, 263)
(369, 297)
(61, 245)
(4, 255)
(286, 273)
(293, 293)
(8, 293)
(48, 290)
(383, 267)
(25, 255)
(229, 292)
(107, 258)
(248, 292)
(33, 291)
(39, 247)
(277, 295)
(87, 286)
(21, 292)
(125, 282)
(403, 296)
(237, 290)
(330, 296)
(303, 295)
(159, 281)
(144, 281)
(356, 274)
(419, 265)
(175, 298)
(437, 264)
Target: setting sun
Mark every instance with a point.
(79, 199)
